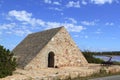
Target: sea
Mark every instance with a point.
(106, 58)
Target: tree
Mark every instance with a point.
(7, 62)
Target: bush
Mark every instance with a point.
(116, 63)
(89, 57)
(7, 62)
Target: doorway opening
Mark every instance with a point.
(51, 59)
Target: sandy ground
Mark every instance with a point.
(50, 73)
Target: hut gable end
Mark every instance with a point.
(32, 45)
(49, 48)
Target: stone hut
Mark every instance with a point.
(49, 48)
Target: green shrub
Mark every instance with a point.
(7, 62)
(89, 57)
(116, 63)
(103, 71)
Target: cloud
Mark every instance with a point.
(74, 28)
(26, 23)
(100, 2)
(84, 2)
(55, 8)
(51, 2)
(48, 1)
(73, 4)
(72, 20)
(109, 24)
(25, 17)
(88, 23)
(69, 26)
(7, 26)
(21, 32)
(56, 3)
(13, 28)
(20, 15)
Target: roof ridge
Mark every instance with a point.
(47, 30)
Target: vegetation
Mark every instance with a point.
(7, 62)
(91, 59)
(106, 53)
(102, 73)
(116, 63)
(89, 56)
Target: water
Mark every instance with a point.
(114, 58)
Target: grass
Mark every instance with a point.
(94, 76)
(102, 73)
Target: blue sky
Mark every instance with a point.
(93, 24)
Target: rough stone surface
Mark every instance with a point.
(66, 52)
(59, 73)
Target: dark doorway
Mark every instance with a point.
(51, 59)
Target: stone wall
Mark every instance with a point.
(66, 52)
(63, 73)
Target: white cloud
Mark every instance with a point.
(25, 17)
(69, 26)
(26, 24)
(74, 28)
(51, 2)
(21, 15)
(72, 20)
(88, 23)
(109, 24)
(7, 26)
(56, 3)
(48, 1)
(13, 28)
(57, 9)
(84, 2)
(73, 4)
(21, 32)
(52, 25)
(102, 1)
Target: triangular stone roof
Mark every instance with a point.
(33, 44)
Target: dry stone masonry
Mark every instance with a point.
(50, 48)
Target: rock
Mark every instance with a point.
(73, 75)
